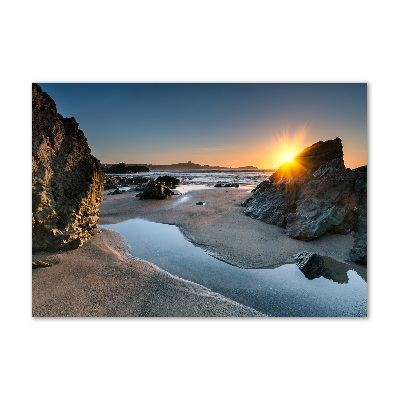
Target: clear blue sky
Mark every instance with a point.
(229, 125)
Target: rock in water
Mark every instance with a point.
(67, 183)
(310, 264)
(315, 194)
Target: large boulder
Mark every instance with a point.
(67, 183)
(315, 194)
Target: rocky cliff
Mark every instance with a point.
(315, 194)
(66, 179)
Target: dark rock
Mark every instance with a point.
(310, 264)
(139, 188)
(116, 191)
(114, 181)
(156, 190)
(315, 195)
(168, 180)
(109, 186)
(324, 204)
(231, 185)
(200, 203)
(67, 183)
(219, 184)
(358, 253)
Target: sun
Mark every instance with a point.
(288, 157)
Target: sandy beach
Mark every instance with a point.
(101, 279)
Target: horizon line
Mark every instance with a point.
(186, 163)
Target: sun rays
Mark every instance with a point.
(289, 144)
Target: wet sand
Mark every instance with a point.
(101, 279)
(222, 229)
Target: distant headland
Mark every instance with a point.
(128, 168)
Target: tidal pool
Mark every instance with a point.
(279, 292)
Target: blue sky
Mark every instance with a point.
(232, 124)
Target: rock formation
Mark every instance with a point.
(315, 194)
(156, 190)
(67, 183)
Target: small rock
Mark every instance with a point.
(200, 203)
(40, 264)
(310, 264)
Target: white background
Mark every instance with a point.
(192, 41)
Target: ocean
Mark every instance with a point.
(209, 178)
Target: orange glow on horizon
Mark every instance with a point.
(273, 147)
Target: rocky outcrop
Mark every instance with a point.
(67, 183)
(315, 194)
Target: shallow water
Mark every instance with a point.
(280, 292)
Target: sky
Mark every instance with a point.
(224, 124)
